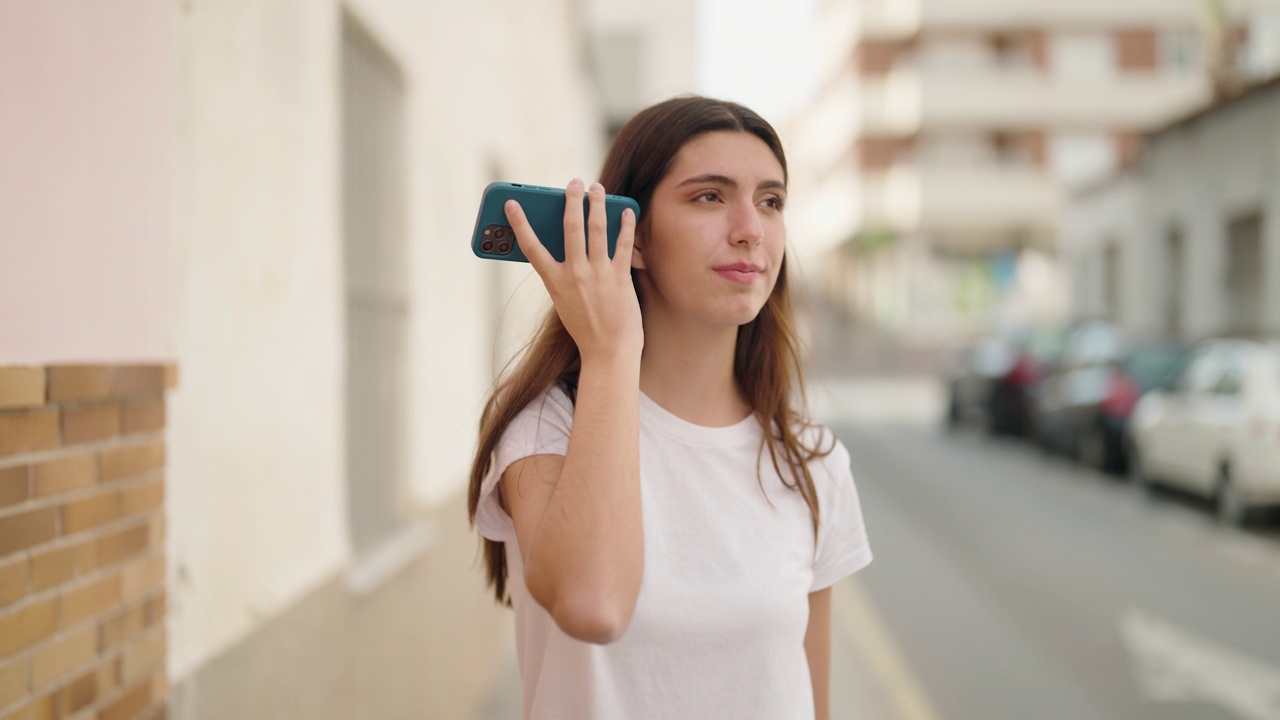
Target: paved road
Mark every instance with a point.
(1013, 585)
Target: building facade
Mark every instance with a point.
(1186, 244)
(244, 345)
(948, 133)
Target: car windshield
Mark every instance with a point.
(1148, 367)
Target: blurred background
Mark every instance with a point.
(244, 343)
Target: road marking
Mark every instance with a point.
(856, 618)
(1172, 663)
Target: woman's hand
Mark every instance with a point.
(592, 293)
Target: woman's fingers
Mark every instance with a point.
(575, 239)
(530, 245)
(626, 240)
(597, 226)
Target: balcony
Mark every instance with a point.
(962, 208)
(896, 19)
(909, 100)
(1025, 99)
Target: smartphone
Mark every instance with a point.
(544, 206)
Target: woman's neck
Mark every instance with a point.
(688, 370)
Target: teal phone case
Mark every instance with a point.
(544, 206)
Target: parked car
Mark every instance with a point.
(989, 382)
(1081, 407)
(1214, 430)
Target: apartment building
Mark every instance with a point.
(938, 153)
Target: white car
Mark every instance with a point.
(1214, 429)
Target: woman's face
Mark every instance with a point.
(712, 244)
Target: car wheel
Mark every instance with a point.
(953, 412)
(1233, 509)
(1091, 448)
(1137, 470)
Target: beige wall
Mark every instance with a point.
(258, 501)
(84, 172)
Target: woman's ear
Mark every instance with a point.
(638, 247)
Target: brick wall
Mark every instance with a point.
(82, 564)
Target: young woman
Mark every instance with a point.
(667, 524)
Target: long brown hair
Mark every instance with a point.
(766, 363)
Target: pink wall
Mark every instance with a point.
(85, 216)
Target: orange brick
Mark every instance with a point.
(160, 689)
(44, 708)
(129, 705)
(79, 692)
(13, 680)
(79, 382)
(127, 461)
(21, 387)
(15, 484)
(22, 530)
(13, 581)
(89, 599)
(122, 544)
(158, 525)
(141, 498)
(51, 567)
(90, 512)
(123, 625)
(143, 576)
(63, 655)
(144, 415)
(88, 688)
(90, 422)
(27, 430)
(24, 627)
(143, 656)
(133, 380)
(157, 607)
(65, 474)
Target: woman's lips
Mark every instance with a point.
(739, 272)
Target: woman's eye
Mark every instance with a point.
(708, 196)
(773, 202)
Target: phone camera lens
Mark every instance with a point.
(487, 246)
(504, 248)
(499, 233)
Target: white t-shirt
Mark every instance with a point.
(718, 629)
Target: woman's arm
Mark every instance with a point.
(817, 647)
(577, 517)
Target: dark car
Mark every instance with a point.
(1081, 406)
(989, 382)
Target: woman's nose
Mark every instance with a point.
(747, 228)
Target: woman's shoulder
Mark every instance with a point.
(556, 399)
(823, 443)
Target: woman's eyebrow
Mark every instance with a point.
(713, 179)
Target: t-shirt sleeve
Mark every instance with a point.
(542, 428)
(842, 547)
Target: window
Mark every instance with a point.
(1082, 56)
(1178, 51)
(1079, 157)
(1173, 273)
(377, 296)
(1243, 281)
(1111, 276)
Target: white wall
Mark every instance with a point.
(1195, 177)
(257, 513)
(84, 172)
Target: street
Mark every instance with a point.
(1011, 584)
